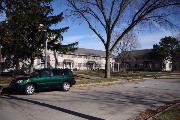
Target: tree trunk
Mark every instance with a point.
(32, 65)
(17, 64)
(172, 65)
(107, 65)
(56, 59)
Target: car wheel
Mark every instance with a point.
(66, 86)
(29, 89)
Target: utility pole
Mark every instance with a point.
(46, 40)
(44, 29)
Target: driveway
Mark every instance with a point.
(115, 102)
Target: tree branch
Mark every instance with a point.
(124, 33)
(88, 22)
(101, 8)
(144, 5)
(134, 22)
(111, 11)
(120, 11)
(91, 12)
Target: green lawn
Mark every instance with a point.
(171, 114)
(87, 76)
(5, 80)
(128, 74)
(99, 80)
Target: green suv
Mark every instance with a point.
(45, 78)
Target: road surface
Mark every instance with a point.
(115, 102)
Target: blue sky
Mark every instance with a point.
(79, 32)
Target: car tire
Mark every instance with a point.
(66, 86)
(29, 89)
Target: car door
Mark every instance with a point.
(57, 78)
(67, 75)
(44, 79)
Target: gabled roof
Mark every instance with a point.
(92, 52)
(140, 52)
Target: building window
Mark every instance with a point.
(94, 57)
(70, 56)
(61, 55)
(104, 58)
(85, 57)
(38, 61)
(60, 64)
(42, 61)
(98, 58)
(170, 65)
(73, 56)
(79, 65)
(79, 56)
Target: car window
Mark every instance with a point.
(57, 72)
(67, 72)
(46, 73)
(35, 74)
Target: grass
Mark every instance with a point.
(171, 114)
(97, 76)
(99, 80)
(5, 79)
(134, 74)
(91, 73)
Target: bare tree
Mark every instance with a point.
(128, 43)
(122, 50)
(104, 17)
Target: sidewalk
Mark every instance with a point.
(169, 77)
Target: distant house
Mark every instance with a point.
(80, 59)
(143, 60)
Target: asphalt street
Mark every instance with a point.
(114, 102)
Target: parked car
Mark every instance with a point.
(44, 78)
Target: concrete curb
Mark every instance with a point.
(167, 77)
(148, 78)
(168, 108)
(4, 84)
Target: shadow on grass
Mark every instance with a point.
(81, 115)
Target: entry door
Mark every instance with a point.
(68, 65)
(91, 66)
